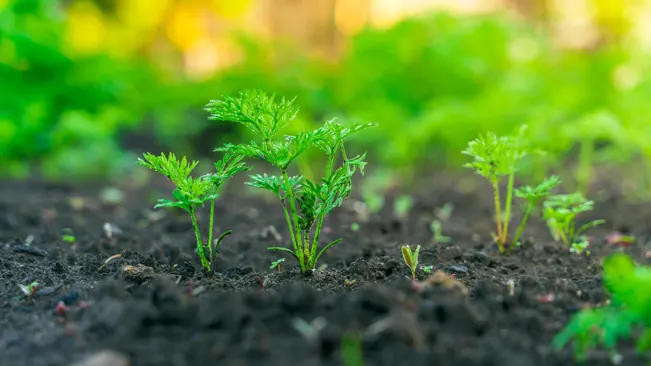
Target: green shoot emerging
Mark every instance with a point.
(561, 211)
(533, 195)
(411, 259)
(495, 158)
(276, 264)
(305, 203)
(192, 193)
(627, 315)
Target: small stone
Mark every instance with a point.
(459, 269)
(138, 273)
(482, 258)
(452, 253)
(104, 358)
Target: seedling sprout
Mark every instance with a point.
(191, 193)
(276, 264)
(305, 203)
(561, 211)
(411, 259)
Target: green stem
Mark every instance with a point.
(297, 249)
(498, 215)
(289, 194)
(319, 223)
(210, 231)
(200, 249)
(507, 209)
(525, 218)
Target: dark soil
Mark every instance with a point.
(141, 303)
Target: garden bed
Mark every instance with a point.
(156, 306)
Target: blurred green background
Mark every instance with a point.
(85, 86)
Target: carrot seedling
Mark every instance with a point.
(411, 259)
(495, 158)
(533, 196)
(192, 193)
(305, 203)
(627, 315)
(560, 212)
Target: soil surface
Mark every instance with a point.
(154, 304)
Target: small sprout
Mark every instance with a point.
(436, 227)
(444, 213)
(29, 290)
(305, 202)
(533, 196)
(580, 246)
(310, 331)
(427, 269)
(495, 158)
(561, 211)
(192, 193)
(109, 259)
(354, 227)
(68, 236)
(411, 259)
(402, 206)
(620, 239)
(625, 317)
(276, 264)
(349, 283)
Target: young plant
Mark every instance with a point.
(191, 193)
(411, 259)
(560, 212)
(305, 203)
(437, 232)
(495, 158)
(533, 196)
(628, 313)
(276, 264)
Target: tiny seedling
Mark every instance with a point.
(411, 259)
(427, 269)
(305, 203)
(402, 206)
(30, 290)
(192, 193)
(354, 227)
(533, 196)
(437, 231)
(276, 264)
(495, 158)
(560, 212)
(68, 236)
(627, 315)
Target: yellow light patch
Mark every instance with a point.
(86, 30)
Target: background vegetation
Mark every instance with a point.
(85, 85)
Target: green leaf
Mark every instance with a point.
(542, 190)
(493, 157)
(323, 250)
(282, 249)
(259, 112)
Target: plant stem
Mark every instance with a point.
(289, 194)
(297, 249)
(319, 223)
(525, 218)
(498, 215)
(200, 248)
(507, 209)
(210, 231)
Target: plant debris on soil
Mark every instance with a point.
(129, 290)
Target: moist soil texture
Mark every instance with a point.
(115, 274)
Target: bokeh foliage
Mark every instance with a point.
(432, 83)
